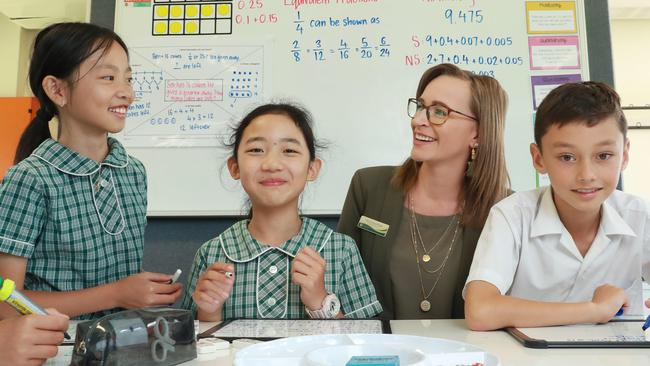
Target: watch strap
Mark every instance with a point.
(329, 308)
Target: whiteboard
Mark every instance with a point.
(199, 66)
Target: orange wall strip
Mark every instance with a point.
(16, 113)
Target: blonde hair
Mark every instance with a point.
(489, 182)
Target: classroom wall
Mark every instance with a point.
(10, 62)
(630, 56)
(27, 37)
(630, 41)
(15, 60)
(20, 21)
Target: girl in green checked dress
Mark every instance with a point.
(277, 264)
(73, 210)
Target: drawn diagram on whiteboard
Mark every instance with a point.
(186, 96)
(191, 18)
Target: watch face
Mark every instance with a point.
(332, 307)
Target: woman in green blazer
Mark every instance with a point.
(417, 224)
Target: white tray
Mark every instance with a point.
(322, 350)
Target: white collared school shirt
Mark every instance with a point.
(526, 252)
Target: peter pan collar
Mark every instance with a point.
(547, 221)
(240, 246)
(73, 163)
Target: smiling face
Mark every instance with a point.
(99, 98)
(583, 164)
(453, 139)
(273, 162)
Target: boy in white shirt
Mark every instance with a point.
(573, 252)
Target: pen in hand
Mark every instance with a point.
(175, 276)
(21, 303)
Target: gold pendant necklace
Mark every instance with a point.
(442, 265)
(425, 304)
(425, 256)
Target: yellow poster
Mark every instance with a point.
(551, 17)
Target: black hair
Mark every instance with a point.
(588, 102)
(58, 51)
(299, 115)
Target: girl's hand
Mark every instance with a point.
(214, 286)
(31, 339)
(308, 272)
(146, 289)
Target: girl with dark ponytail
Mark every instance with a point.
(53, 56)
(73, 211)
(35, 133)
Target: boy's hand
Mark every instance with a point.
(608, 300)
(213, 287)
(146, 289)
(31, 339)
(647, 303)
(308, 272)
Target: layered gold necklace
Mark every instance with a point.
(425, 304)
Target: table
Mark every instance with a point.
(511, 353)
(499, 343)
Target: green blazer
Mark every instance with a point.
(371, 195)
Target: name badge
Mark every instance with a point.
(373, 226)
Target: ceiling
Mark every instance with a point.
(36, 14)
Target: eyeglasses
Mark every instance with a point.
(437, 114)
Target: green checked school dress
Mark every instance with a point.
(263, 287)
(79, 224)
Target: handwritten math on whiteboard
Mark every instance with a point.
(199, 66)
(184, 94)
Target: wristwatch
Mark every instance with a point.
(329, 308)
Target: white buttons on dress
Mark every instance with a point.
(270, 301)
(104, 183)
(273, 269)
